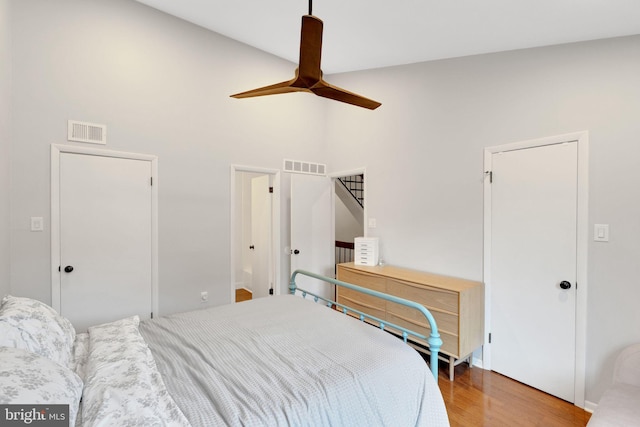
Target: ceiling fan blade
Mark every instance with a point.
(326, 90)
(310, 50)
(283, 87)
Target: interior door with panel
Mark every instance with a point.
(105, 226)
(261, 241)
(534, 265)
(312, 230)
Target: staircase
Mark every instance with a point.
(355, 186)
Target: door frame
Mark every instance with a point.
(56, 151)
(275, 225)
(582, 211)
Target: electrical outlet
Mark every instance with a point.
(204, 296)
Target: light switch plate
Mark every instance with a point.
(37, 223)
(601, 232)
(373, 223)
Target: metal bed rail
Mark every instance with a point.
(434, 341)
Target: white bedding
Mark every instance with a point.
(269, 362)
(122, 385)
(285, 361)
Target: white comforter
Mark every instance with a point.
(285, 361)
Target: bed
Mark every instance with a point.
(282, 360)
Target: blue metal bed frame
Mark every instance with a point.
(434, 341)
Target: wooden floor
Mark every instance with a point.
(484, 398)
(242, 295)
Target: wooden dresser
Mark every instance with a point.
(456, 304)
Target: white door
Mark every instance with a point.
(261, 272)
(533, 251)
(105, 238)
(312, 231)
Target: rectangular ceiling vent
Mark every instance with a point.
(87, 132)
(310, 168)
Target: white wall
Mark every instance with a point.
(436, 118)
(162, 86)
(347, 225)
(5, 146)
(349, 222)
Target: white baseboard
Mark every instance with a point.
(476, 362)
(590, 406)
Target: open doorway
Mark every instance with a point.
(315, 221)
(349, 211)
(255, 233)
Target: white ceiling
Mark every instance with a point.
(362, 34)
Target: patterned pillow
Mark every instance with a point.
(32, 325)
(80, 354)
(29, 379)
(122, 383)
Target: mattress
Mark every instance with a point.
(287, 361)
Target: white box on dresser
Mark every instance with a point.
(366, 251)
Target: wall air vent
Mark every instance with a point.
(309, 168)
(87, 132)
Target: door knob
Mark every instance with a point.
(68, 269)
(565, 285)
(296, 252)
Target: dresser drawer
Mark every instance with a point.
(446, 322)
(360, 298)
(359, 302)
(429, 297)
(449, 342)
(369, 281)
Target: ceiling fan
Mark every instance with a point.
(308, 75)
